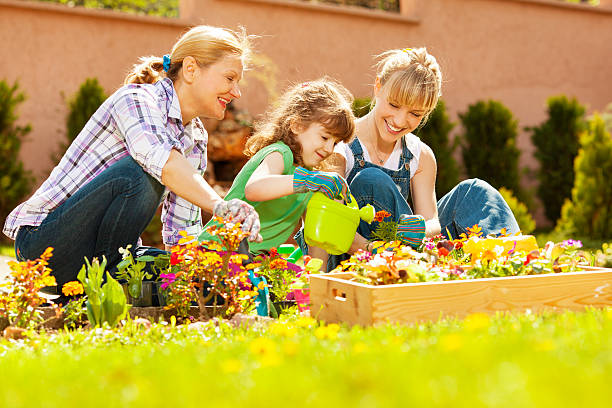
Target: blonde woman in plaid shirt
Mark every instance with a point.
(144, 146)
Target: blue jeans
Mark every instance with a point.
(109, 212)
(471, 202)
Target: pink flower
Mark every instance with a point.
(167, 280)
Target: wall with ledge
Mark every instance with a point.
(517, 51)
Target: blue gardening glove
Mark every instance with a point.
(411, 229)
(330, 184)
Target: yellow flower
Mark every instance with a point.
(474, 231)
(359, 348)
(476, 321)
(72, 288)
(290, 348)
(282, 329)
(305, 321)
(231, 366)
(262, 346)
(451, 342)
(327, 332)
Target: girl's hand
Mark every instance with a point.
(330, 184)
(411, 229)
(239, 211)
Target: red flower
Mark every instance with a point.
(174, 258)
(443, 251)
(458, 244)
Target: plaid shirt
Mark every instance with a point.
(143, 121)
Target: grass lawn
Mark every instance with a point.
(550, 360)
(7, 250)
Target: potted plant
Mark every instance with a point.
(132, 271)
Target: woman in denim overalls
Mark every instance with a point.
(390, 175)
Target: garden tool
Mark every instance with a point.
(332, 225)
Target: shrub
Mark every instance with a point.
(362, 106)
(162, 8)
(556, 143)
(435, 133)
(81, 107)
(523, 218)
(488, 145)
(589, 213)
(15, 181)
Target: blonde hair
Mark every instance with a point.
(323, 101)
(412, 76)
(206, 44)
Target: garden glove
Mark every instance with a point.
(411, 229)
(239, 211)
(328, 183)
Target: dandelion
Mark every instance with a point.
(72, 288)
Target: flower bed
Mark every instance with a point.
(459, 277)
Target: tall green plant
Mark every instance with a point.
(81, 107)
(105, 303)
(589, 213)
(435, 133)
(488, 145)
(557, 142)
(15, 181)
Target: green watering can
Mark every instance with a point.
(331, 225)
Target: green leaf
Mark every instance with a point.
(145, 258)
(114, 303)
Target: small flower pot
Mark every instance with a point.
(146, 295)
(282, 305)
(159, 295)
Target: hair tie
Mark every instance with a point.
(167, 62)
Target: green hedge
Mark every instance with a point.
(589, 212)
(15, 181)
(435, 133)
(488, 145)
(556, 143)
(161, 8)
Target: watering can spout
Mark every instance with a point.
(366, 213)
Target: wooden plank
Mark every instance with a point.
(409, 303)
(337, 300)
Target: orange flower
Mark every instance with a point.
(381, 215)
(278, 264)
(475, 231)
(72, 288)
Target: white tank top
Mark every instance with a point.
(413, 143)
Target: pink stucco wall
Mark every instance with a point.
(517, 51)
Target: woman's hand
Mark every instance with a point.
(240, 211)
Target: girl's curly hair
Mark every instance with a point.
(323, 101)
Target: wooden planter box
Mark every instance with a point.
(335, 299)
